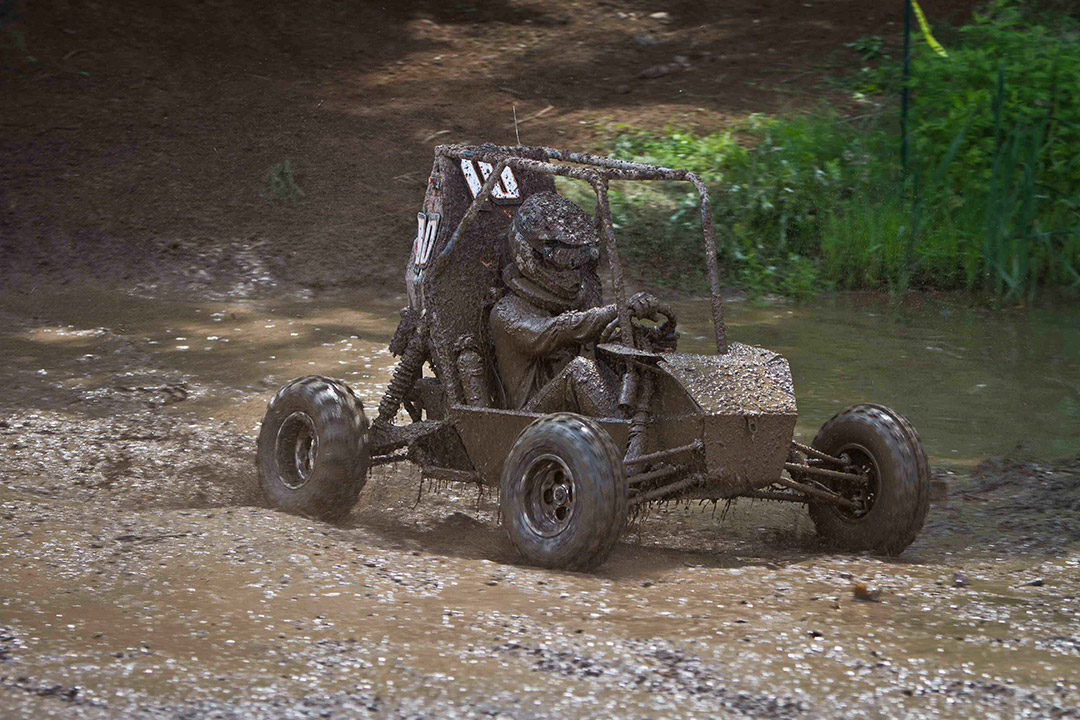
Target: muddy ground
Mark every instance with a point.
(140, 576)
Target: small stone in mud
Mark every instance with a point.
(647, 583)
(960, 579)
(492, 582)
(815, 634)
(655, 71)
(1037, 582)
(865, 594)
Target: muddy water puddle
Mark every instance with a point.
(974, 383)
(137, 578)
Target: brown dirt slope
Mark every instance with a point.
(136, 137)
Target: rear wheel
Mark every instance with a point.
(878, 443)
(312, 453)
(563, 493)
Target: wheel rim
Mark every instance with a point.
(548, 487)
(295, 450)
(857, 459)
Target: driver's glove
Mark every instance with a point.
(645, 305)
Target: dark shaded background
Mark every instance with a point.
(136, 137)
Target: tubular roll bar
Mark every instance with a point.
(598, 171)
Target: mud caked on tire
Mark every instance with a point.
(563, 493)
(880, 443)
(313, 455)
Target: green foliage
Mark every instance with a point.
(283, 185)
(869, 47)
(1041, 67)
(18, 42)
(990, 201)
(877, 72)
(1014, 80)
(771, 200)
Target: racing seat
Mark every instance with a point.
(459, 289)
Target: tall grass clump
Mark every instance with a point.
(989, 201)
(282, 181)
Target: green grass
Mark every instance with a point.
(282, 180)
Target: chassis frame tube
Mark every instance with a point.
(696, 445)
(823, 472)
(819, 494)
(666, 491)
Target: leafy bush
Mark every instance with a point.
(1041, 68)
(770, 200)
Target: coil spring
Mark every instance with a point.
(405, 375)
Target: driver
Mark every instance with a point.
(541, 327)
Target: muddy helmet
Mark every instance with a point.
(553, 243)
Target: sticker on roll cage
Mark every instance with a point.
(506, 190)
(427, 227)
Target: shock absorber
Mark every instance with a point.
(405, 376)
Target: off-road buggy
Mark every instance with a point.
(689, 426)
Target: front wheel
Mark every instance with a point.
(313, 455)
(563, 493)
(891, 507)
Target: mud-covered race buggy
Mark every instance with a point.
(688, 426)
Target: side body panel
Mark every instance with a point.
(488, 435)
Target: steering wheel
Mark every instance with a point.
(650, 334)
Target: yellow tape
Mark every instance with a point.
(925, 27)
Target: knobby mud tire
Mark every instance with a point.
(339, 469)
(902, 496)
(599, 493)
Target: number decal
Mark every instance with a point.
(506, 190)
(427, 228)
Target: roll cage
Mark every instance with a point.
(598, 171)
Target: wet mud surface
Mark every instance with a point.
(140, 577)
